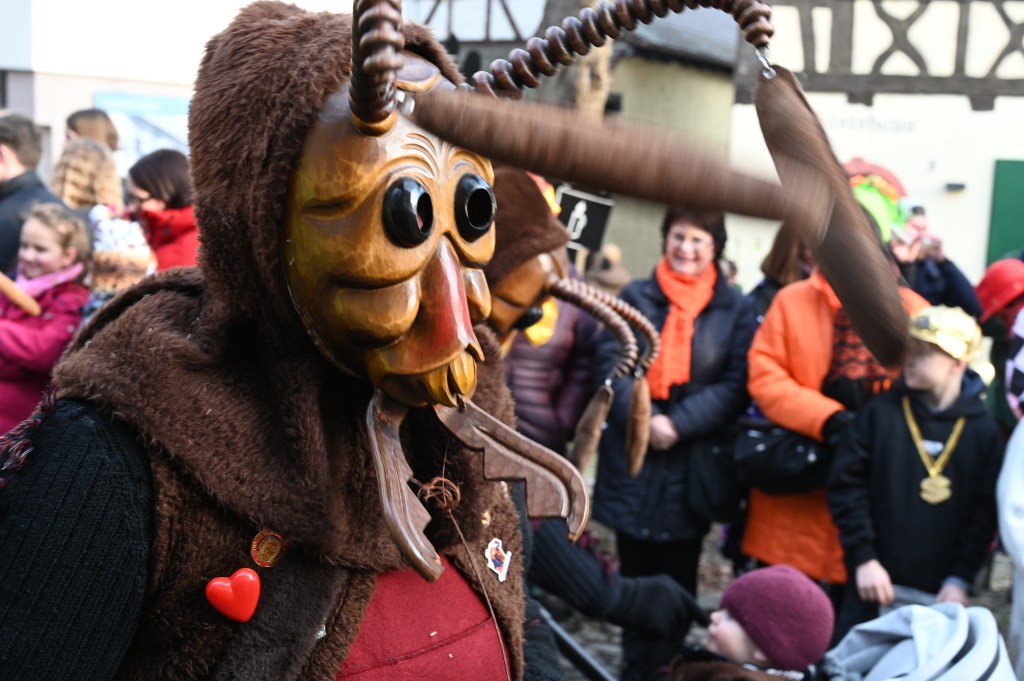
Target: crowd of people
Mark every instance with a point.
(870, 486)
(75, 244)
(877, 484)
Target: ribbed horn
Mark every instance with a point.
(626, 158)
(848, 252)
(593, 28)
(638, 425)
(590, 425)
(377, 43)
(575, 292)
(636, 319)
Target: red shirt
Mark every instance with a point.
(429, 631)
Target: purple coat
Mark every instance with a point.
(553, 382)
(30, 346)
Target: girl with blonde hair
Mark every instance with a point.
(52, 259)
(86, 176)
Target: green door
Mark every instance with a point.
(1006, 231)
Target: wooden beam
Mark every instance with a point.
(437, 3)
(511, 21)
(923, 85)
(842, 37)
(962, 29)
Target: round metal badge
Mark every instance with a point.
(267, 548)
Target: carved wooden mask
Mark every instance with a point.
(383, 244)
(524, 288)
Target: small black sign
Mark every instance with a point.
(584, 215)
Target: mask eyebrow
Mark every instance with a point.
(427, 148)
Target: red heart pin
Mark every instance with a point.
(235, 597)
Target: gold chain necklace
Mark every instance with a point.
(936, 488)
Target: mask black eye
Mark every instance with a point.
(529, 318)
(474, 206)
(408, 213)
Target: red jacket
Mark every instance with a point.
(787, 365)
(30, 346)
(173, 235)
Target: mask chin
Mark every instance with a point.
(529, 318)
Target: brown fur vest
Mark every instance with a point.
(239, 437)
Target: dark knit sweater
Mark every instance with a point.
(85, 557)
(96, 547)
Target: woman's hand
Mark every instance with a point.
(663, 432)
(952, 593)
(874, 584)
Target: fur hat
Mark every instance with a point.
(786, 614)
(525, 225)
(260, 86)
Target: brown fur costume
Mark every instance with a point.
(245, 423)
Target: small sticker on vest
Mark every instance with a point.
(497, 559)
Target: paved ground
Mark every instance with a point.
(603, 640)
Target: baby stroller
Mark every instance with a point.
(941, 642)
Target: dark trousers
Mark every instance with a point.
(646, 656)
(852, 611)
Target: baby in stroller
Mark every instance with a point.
(774, 622)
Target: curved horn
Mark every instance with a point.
(639, 161)
(849, 253)
(377, 43)
(614, 312)
(635, 318)
(593, 28)
(575, 292)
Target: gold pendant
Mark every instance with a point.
(936, 489)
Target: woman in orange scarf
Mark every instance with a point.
(698, 388)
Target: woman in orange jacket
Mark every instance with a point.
(808, 372)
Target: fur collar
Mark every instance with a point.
(276, 439)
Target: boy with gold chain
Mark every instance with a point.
(912, 488)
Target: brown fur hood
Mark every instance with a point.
(525, 225)
(261, 84)
(211, 364)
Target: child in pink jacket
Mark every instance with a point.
(51, 263)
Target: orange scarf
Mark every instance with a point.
(687, 296)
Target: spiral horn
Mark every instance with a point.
(636, 319)
(576, 292)
(377, 43)
(593, 28)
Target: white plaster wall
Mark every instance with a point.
(60, 53)
(469, 18)
(55, 97)
(156, 41)
(926, 140)
(684, 100)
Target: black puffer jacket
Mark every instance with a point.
(17, 195)
(652, 506)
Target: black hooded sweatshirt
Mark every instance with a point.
(874, 489)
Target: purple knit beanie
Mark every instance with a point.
(787, 615)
